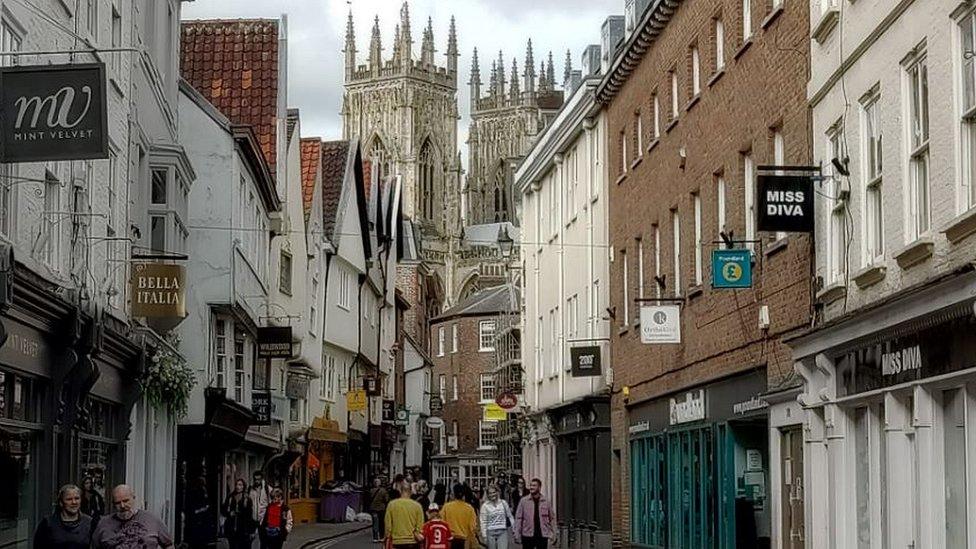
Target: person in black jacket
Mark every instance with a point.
(92, 502)
(238, 514)
(68, 527)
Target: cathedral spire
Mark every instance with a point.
(427, 44)
(350, 49)
(375, 47)
(396, 45)
(501, 76)
(513, 85)
(406, 41)
(493, 83)
(475, 81)
(452, 51)
(543, 85)
(550, 73)
(567, 69)
(529, 76)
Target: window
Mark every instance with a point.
(837, 240)
(220, 352)
(779, 159)
(345, 288)
(595, 312)
(720, 203)
(554, 341)
(486, 335)
(11, 39)
(539, 360)
(487, 387)
(954, 450)
(676, 251)
(487, 431)
(312, 301)
(454, 436)
(640, 268)
(657, 115)
(698, 240)
(327, 389)
(623, 153)
(284, 274)
(871, 147)
(657, 261)
(749, 183)
(426, 169)
(674, 94)
(968, 64)
(695, 72)
(454, 387)
(51, 237)
(638, 135)
(92, 20)
(454, 338)
(442, 387)
(719, 45)
(440, 341)
(746, 19)
(116, 56)
(919, 213)
(625, 320)
(239, 365)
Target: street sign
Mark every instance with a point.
(261, 406)
(53, 112)
(585, 360)
(356, 400)
(274, 342)
(434, 422)
(731, 269)
(494, 412)
(389, 411)
(158, 290)
(506, 401)
(436, 405)
(785, 203)
(660, 324)
(402, 417)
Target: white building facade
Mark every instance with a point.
(887, 400)
(563, 183)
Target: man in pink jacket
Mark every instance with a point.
(535, 519)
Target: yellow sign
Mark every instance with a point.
(494, 412)
(356, 400)
(158, 290)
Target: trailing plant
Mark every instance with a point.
(168, 381)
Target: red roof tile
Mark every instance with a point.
(367, 166)
(334, 156)
(311, 154)
(240, 77)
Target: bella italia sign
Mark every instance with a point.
(158, 290)
(53, 112)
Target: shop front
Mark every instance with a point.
(889, 401)
(699, 467)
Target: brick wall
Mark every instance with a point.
(761, 89)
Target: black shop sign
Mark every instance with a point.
(261, 406)
(274, 342)
(53, 112)
(389, 410)
(585, 361)
(785, 203)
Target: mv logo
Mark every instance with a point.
(58, 106)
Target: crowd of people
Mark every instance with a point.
(81, 521)
(465, 518)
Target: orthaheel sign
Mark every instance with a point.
(53, 112)
(785, 203)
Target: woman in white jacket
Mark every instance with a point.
(496, 519)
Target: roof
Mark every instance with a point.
(486, 234)
(234, 65)
(311, 155)
(490, 301)
(645, 34)
(334, 158)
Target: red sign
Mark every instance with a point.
(506, 401)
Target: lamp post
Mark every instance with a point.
(505, 244)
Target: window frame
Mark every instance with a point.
(676, 250)
(919, 161)
(718, 28)
(484, 431)
(285, 279)
(872, 139)
(488, 388)
(486, 334)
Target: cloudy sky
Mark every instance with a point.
(316, 34)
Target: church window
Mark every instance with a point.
(426, 169)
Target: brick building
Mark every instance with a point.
(700, 94)
(463, 353)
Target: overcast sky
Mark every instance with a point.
(316, 34)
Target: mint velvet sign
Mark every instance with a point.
(53, 112)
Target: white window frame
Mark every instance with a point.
(720, 204)
(625, 320)
(719, 44)
(674, 94)
(837, 239)
(873, 173)
(285, 272)
(779, 159)
(219, 350)
(967, 115)
(487, 392)
(454, 387)
(486, 336)
(746, 20)
(749, 186)
(919, 206)
(454, 338)
(657, 116)
(440, 340)
(327, 386)
(698, 239)
(487, 432)
(312, 309)
(639, 129)
(676, 251)
(695, 71)
(345, 289)
(623, 152)
(640, 268)
(657, 260)
(442, 387)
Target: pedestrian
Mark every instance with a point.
(129, 526)
(420, 491)
(68, 527)
(535, 519)
(440, 494)
(276, 523)
(496, 519)
(199, 519)
(379, 497)
(471, 497)
(436, 532)
(404, 520)
(92, 502)
(394, 490)
(519, 491)
(260, 496)
(463, 520)
(238, 511)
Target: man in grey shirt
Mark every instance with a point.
(129, 527)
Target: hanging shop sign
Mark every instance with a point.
(389, 410)
(785, 203)
(274, 342)
(372, 386)
(507, 401)
(689, 408)
(436, 405)
(158, 290)
(402, 417)
(494, 412)
(356, 401)
(53, 112)
(261, 406)
(585, 361)
(296, 386)
(434, 422)
(731, 269)
(660, 324)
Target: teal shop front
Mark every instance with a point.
(699, 464)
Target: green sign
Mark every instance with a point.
(731, 269)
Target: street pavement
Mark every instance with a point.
(358, 540)
(320, 534)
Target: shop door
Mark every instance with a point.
(791, 465)
(691, 489)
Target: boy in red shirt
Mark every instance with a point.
(436, 532)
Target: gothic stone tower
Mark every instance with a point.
(505, 121)
(404, 111)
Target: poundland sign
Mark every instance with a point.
(53, 112)
(785, 203)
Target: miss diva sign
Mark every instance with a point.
(785, 203)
